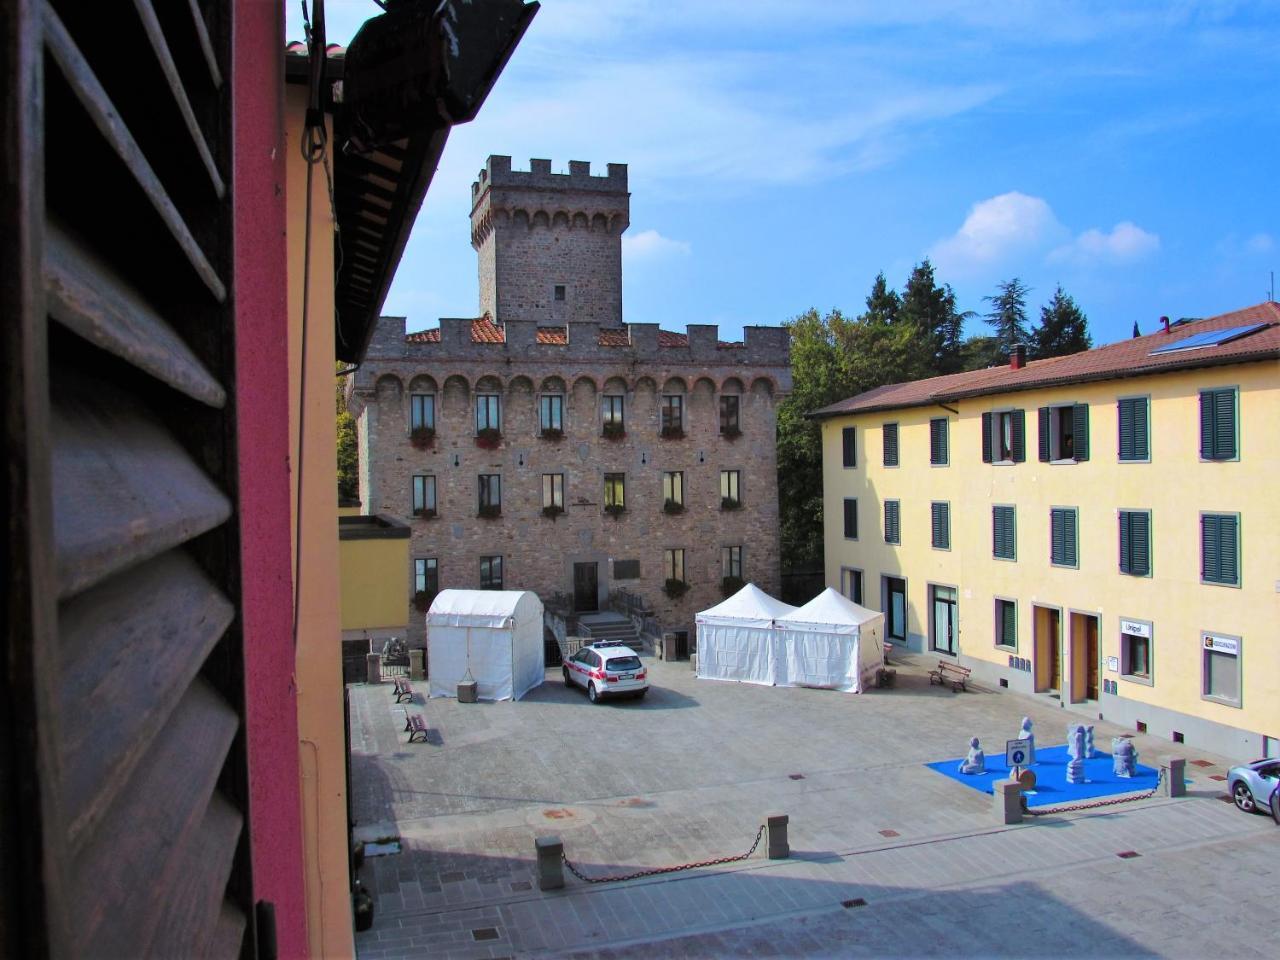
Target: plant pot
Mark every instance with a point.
(552, 434)
(488, 439)
(552, 512)
(613, 432)
(728, 503)
(422, 437)
(672, 508)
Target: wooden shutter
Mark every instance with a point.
(1219, 546)
(1044, 434)
(1139, 543)
(119, 362)
(1069, 542)
(986, 438)
(851, 518)
(941, 525)
(1003, 533)
(1224, 424)
(938, 441)
(1126, 415)
(1210, 562)
(1058, 537)
(1008, 623)
(1206, 424)
(890, 444)
(848, 437)
(1019, 436)
(1080, 430)
(892, 530)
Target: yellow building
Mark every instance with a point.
(373, 554)
(1100, 529)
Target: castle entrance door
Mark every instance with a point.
(586, 586)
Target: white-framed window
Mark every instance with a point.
(730, 488)
(1221, 653)
(1137, 651)
(1004, 436)
(673, 488)
(553, 490)
(1064, 433)
(851, 583)
(1006, 623)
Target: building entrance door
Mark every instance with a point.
(896, 608)
(1084, 657)
(1048, 650)
(586, 597)
(944, 620)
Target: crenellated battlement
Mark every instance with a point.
(497, 172)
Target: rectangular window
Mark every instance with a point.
(892, 529)
(488, 412)
(889, 433)
(672, 413)
(490, 492)
(673, 564)
(626, 569)
(673, 489)
(1133, 414)
(422, 411)
(1220, 548)
(850, 518)
(1135, 650)
(1135, 542)
(424, 496)
(938, 441)
(848, 442)
(1004, 533)
(1063, 546)
(551, 412)
(426, 576)
(615, 491)
(729, 425)
(1218, 424)
(613, 408)
(1004, 436)
(731, 562)
(553, 490)
(1006, 623)
(1064, 433)
(559, 292)
(940, 525)
(851, 583)
(491, 573)
(1221, 668)
(730, 488)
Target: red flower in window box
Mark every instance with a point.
(422, 437)
(614, 431)
(488, 438)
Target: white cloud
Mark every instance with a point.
(1126, 242)
(996, 230)
(1260, 243)
(651, 245)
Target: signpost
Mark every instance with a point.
(1016, 753)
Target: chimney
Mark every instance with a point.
(1165, 321)
(1018, 356)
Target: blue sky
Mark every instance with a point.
(783, 153)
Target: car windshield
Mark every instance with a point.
(623, 664)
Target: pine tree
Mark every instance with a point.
(883, 303)
(1009, 313)
(932, 310)
(1063, 329)
(1136, 331)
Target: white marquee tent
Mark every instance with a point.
(829, 642)
(736, 638)
(495, 636)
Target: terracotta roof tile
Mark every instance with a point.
(484, 330)
(1127, 358)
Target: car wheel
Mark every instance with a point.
(1243, 797)
(567, 681)
(592, 695)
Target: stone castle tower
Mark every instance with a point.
(550, 244)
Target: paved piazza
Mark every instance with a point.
(888, 857)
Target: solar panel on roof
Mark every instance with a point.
(1210, 338)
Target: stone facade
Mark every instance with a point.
(532, 352)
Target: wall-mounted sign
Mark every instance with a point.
(1222, 644)
(1135, 629)
(1113, 664)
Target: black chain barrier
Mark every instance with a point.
(1094, 804)
(653, 872)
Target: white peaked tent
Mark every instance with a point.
(830, 642)
(493, 635)
(736, 639)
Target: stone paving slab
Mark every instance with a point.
(688, 774)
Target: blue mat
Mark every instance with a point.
(1051, 777)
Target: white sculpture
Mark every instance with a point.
(1026, 734)
(976, 761)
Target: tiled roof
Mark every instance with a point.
(484, 330)
(1127, 358)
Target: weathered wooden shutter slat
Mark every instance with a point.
(1140, 540)
(201, 30)
(1224, 424)
(1044, 434)
(1069, 538)
(1019, 436)
(153, 823)
(90, 299)
(1126, 416)
(1210, 567)
(1228, 544)
(131, 647)
(125, 488)
(1080, 430)
(106, 118)
(1206, 424)
(1126, 543)
(986, 438)
(1057, 536)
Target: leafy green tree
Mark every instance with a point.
(1063, 329)
(932, 310)
(348, 459)
(1008, 315)
(978, 353)
(883, 303)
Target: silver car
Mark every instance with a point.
(1252, 784)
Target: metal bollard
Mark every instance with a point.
(415, 665)
(1173, 771)
(373, 668)
(776, 826)
(550, 853)
(1008, 801)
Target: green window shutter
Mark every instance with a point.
(1003, 533)
(1057, 537)
(1210, 558)
(890, 433)
(986, 438)
(938, 441)
(941, 525)
(1008, 624)
(891, 527)
(1141, 429)
(848, 438)
(1126, 414)
(1126, 543)
(851, 518)
(1140, 544)
(1080, 430)
(1206, 424)
(1069, 538)
(1044, 434)
(1224, 424)
(1019, 436)
(1228, 547)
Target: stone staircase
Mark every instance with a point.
(607, 625)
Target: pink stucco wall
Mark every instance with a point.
(262, 410)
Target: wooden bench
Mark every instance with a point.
(952, 673)
(415, 726)
(403, 691)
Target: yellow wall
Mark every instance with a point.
(375, 593)
(319, 660)
(1175, 486)
(349, 511)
